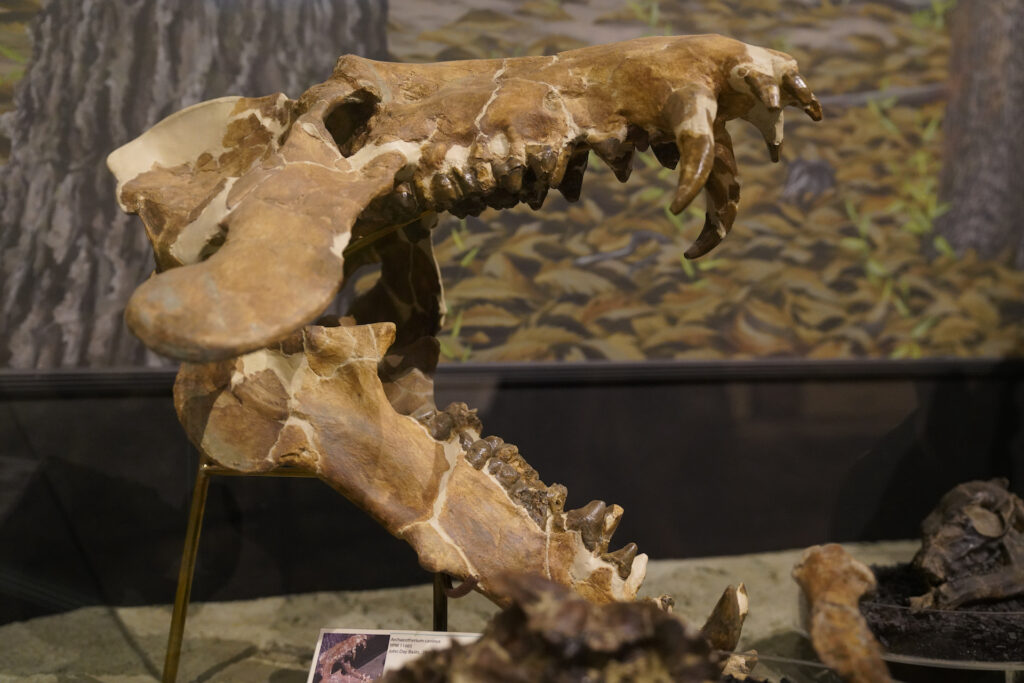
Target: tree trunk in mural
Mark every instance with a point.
(101, 73)
(985, 130)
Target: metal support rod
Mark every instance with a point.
(186, 572)
(442, 583)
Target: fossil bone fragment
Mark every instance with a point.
(972, 546)
(254, 205)
(549, 634)
(833, 584)
(470, 506)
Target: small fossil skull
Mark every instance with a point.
(972, 546)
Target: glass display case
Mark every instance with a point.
(848, 353)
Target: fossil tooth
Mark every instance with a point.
(556, 495)
(464, 416)
(612, 517)
(506, 452)
(667, 154)
(494, 441)
(503, 472)
(725, 623)
(589, 521)
(623, 558)
(618, 155)
(440, 426)
(445, 192)
(542, 161)
(478, 453)
(466, 440)
(711, 235)
(638, 137)
(572, 183)
(512, 180)
(534, 193)
(405, 197)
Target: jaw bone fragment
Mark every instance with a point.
(470, 506)
(253, 205)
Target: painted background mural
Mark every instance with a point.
(887, 231)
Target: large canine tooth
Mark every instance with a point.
(725, 623)
(572, 183)
(589, 521)
(623, 559)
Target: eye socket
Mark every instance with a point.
(347, 121)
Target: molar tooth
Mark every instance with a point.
(440, 426)
(466, 440)
(504, 473)
(623, 559)
(494, 441)
(589, 521)
(478, 453)
(506, 452)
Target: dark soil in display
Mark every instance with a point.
(984, 632)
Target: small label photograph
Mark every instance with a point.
(344, 655)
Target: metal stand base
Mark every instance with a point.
(188, 562)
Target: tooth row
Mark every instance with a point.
(458, 418)
(595, 522)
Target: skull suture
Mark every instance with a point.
(972, 546)
(258, 209)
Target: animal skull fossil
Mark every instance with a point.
(258, 209)
(972, 546)
(253, 205)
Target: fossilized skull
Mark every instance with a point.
(972, 546)
(259, 208)
(260, 201)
